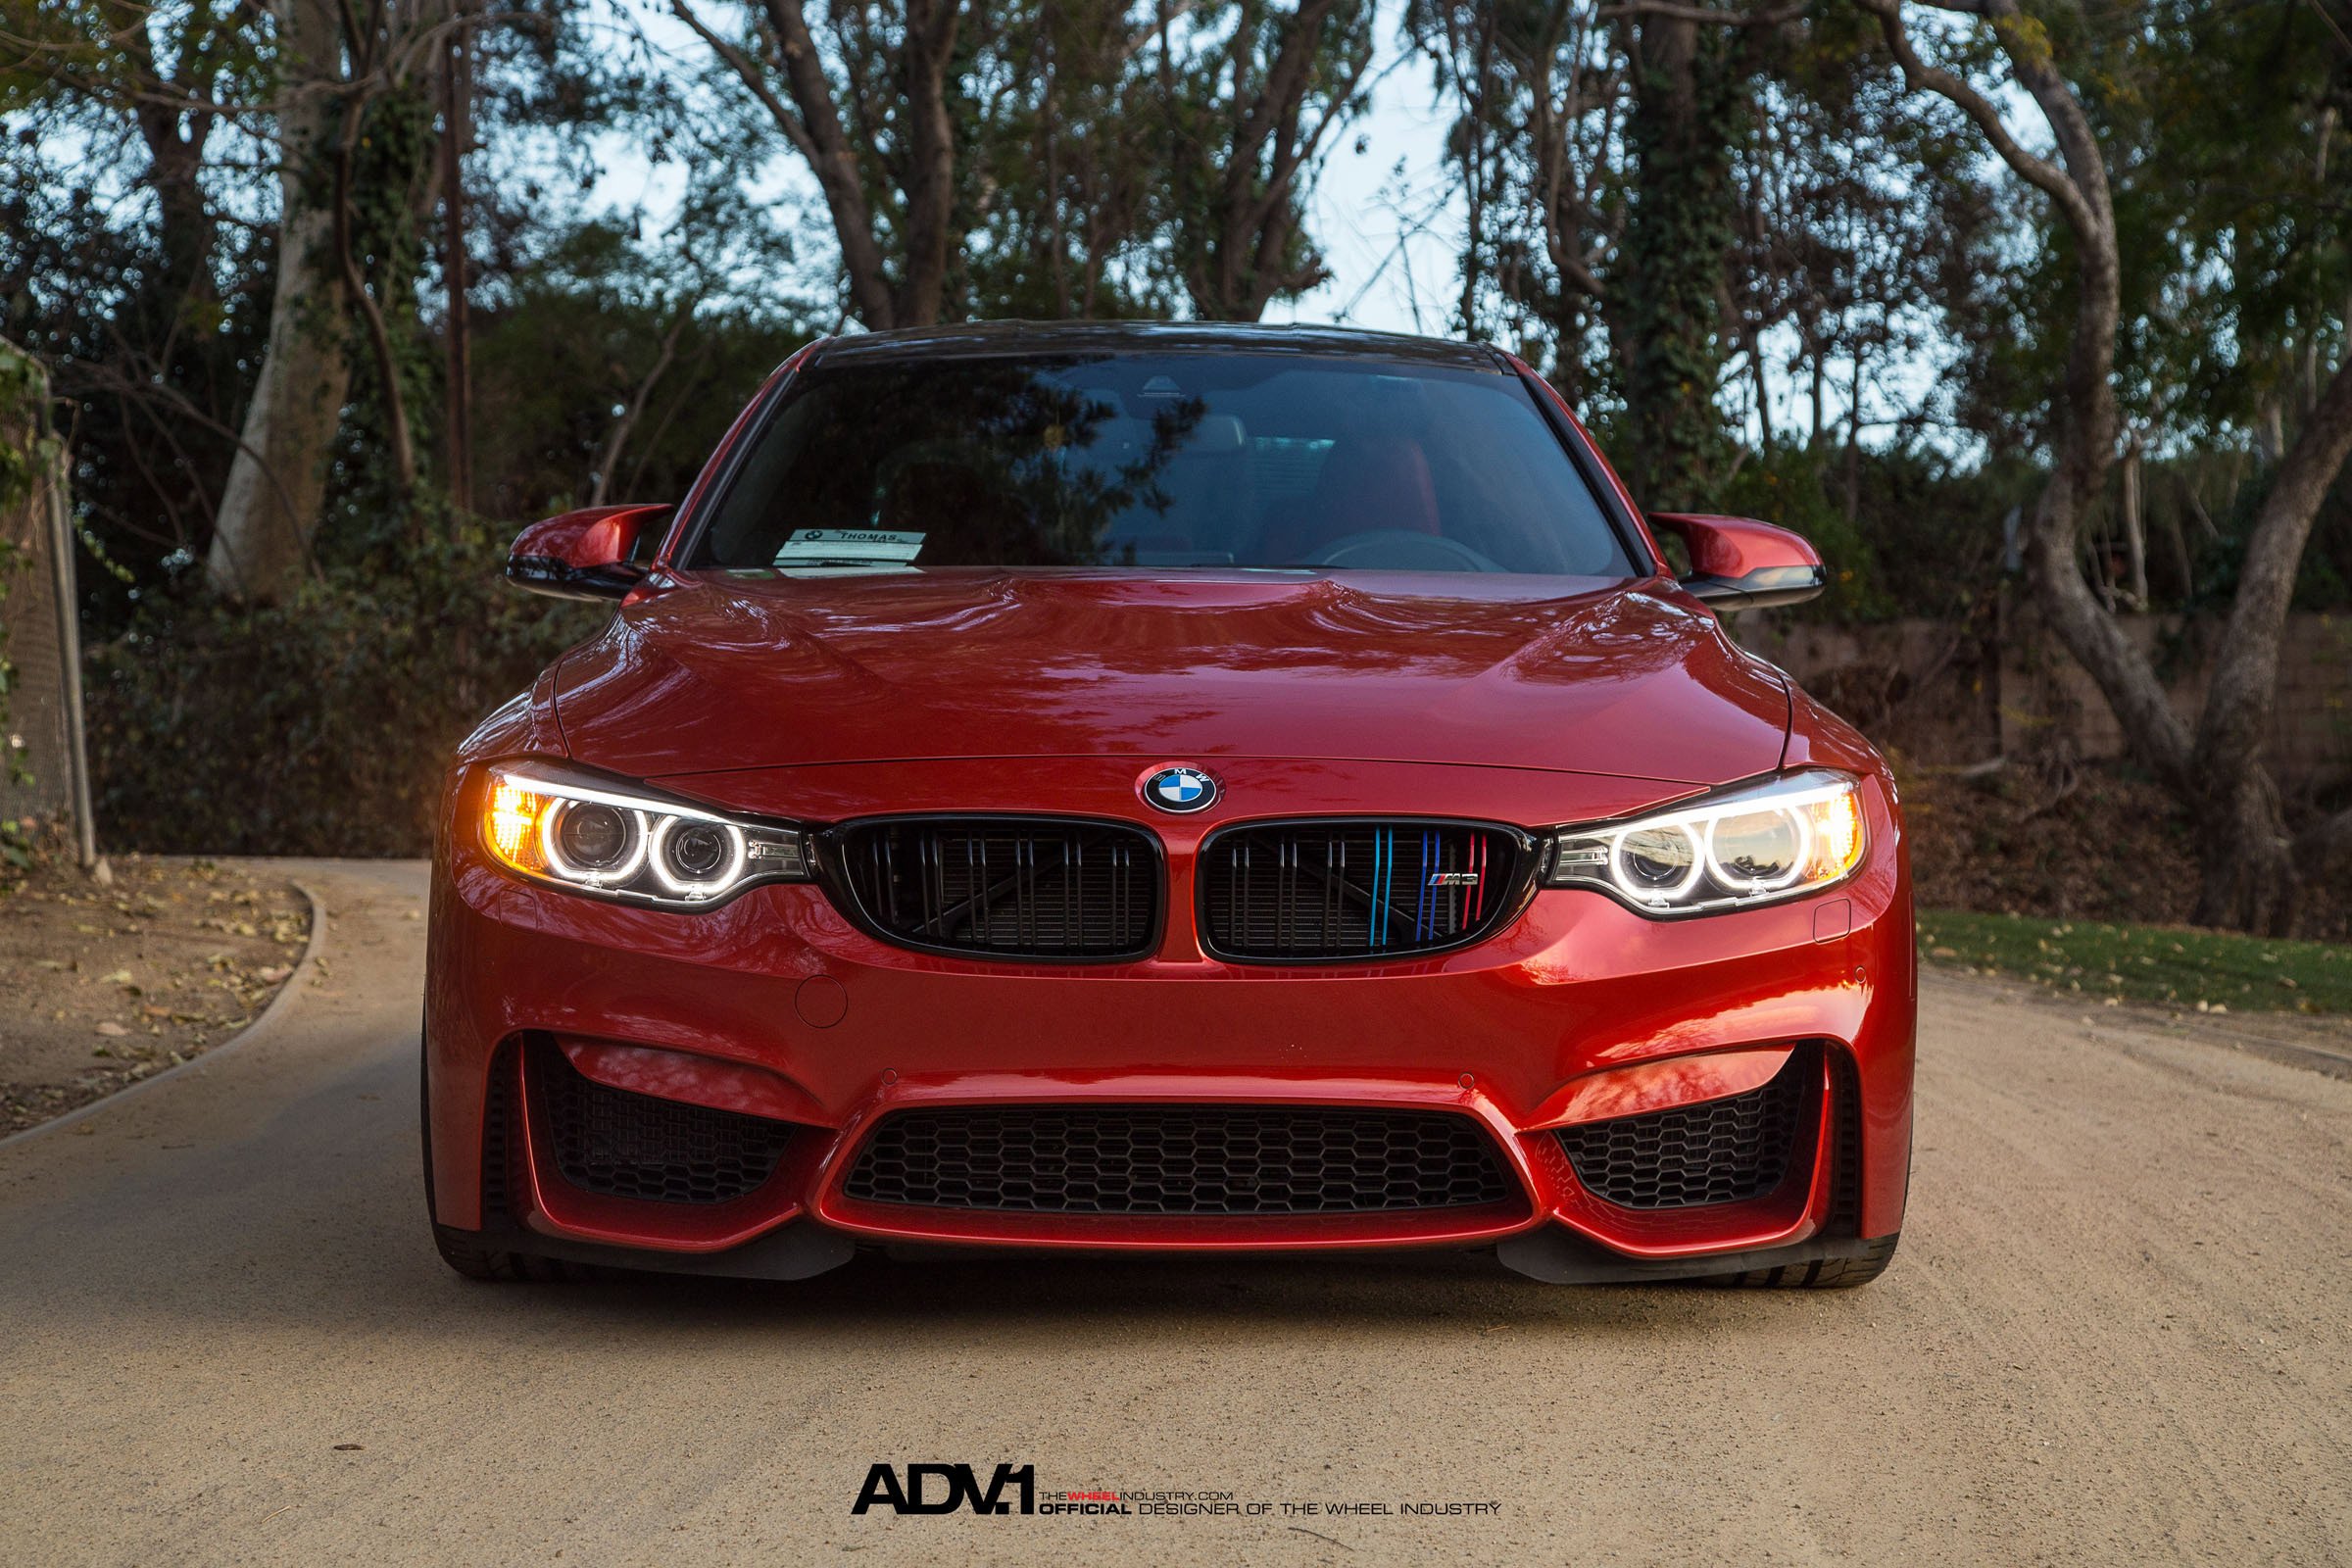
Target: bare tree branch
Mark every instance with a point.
(601, 486)
(1920, 76)
(1672, 12)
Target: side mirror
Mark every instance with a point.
(1740, 563)
(590, 554)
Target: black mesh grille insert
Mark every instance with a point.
(1717, 1152)
(1354, 890)
(1180, 1159)
(1008, 888)
(1845, 1104)
(498, 1156)
(626, 1144)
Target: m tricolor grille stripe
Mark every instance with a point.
(1338, 890)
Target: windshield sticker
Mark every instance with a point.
(848, 546)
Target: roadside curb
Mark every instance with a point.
(304, 968)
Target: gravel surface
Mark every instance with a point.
(110, 983)
(2116, 1333)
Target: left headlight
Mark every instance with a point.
(1758, 844)
(576, 830)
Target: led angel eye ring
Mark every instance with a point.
(739, 856)
(1750, 884)
(551, 824)
(1634, 890)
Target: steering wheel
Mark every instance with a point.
(1400, 550)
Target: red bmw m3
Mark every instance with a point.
(1177, 788)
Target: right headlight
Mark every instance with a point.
(580, 831)
(1757, 844)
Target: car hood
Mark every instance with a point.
(715, 672)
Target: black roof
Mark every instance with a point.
(982, 338)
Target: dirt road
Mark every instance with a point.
(2117, 1332)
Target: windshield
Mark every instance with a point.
(1159, 460)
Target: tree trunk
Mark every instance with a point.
(1677, 243)
(400, 445)
(1238, 226)
(927, 55)
(924, 234)
(456, 132)
(2247, 875)
(2251, 873)
(277, 481)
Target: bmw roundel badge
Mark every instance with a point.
(1181, 789)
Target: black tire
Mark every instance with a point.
(465, 1251)
(1822, 1274)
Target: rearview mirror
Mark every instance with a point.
(589, 554)
(1741, 564)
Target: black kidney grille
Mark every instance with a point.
(1180, 1159)
(1354, 890)
(1012, 889)
(625, 1145)
(1717, 1152)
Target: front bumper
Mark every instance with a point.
(777, 1007)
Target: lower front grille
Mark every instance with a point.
(1845, 1183)
(1721, 1152)
(1005, 887)
(498, 1137)
(625, 1144)
(1306, 890)
(1180, 1159)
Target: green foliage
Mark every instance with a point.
(1906, 532)
(2325, 582)
(320, 726)
(1791, 486)
(2231, 151)
(1770, 206)
(391, 170)
(24, 386)
(581, 335)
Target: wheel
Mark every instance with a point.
(1822, 1274)
(465, 1251)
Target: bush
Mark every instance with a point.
(320, 726)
